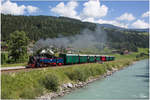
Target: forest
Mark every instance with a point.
(42, 27)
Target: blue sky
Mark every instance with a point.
(128, 14)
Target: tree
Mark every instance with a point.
(18, 45)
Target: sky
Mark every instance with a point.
(126, 14)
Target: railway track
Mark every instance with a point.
(12, 69)
(23, 68)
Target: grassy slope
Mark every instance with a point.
(32, 84)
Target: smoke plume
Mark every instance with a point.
(86, 39)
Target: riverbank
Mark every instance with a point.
(120, 63)
(53, 82)
(129, 83)
(69, 87)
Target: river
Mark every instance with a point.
(130, 83)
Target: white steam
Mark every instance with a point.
(86, 39)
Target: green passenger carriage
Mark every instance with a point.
(80, 58)
(70, 58)
(91, 58)
(98, 58)
(83, 58)
(107, 58)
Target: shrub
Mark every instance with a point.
(71, 75)
(88, 71)
(77, 74)
(97, 70)
(93, 71)
(10, 61)
(51, 82)
(4, 58)
(100, 70)
(108, 66)
(80, 74)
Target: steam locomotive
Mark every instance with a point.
(65, 59)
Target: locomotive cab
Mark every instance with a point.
(32, 62)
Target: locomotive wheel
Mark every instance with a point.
(41, 65)
(45, 65)
(59, 64)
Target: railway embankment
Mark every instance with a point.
(54, 82)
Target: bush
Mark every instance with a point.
(51, 82)
(83, 73)
(100, 70)
(108, 66)
(10, 61)
(142, 55)
(78, 74)
(4, 58)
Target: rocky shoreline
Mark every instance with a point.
(69, 87)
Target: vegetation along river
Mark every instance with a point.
(129, 83)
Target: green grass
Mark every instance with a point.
(14, 65)
(36, 82)
(132, 55)
(23, 84)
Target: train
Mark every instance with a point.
(65, 59)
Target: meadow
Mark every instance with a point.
(34, 83)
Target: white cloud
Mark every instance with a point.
(112, 22)
(146, 14)
(9, 7)
(67, 10)
(140, 24)
(2, 1)
(94, 9)
(32, 9)
(12, 8)
(126, 16)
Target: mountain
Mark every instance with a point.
(110, 26)
(140, 30)
(120, 28)
(43, 27)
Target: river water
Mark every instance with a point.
(129, 83)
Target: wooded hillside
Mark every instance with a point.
(38, 27)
